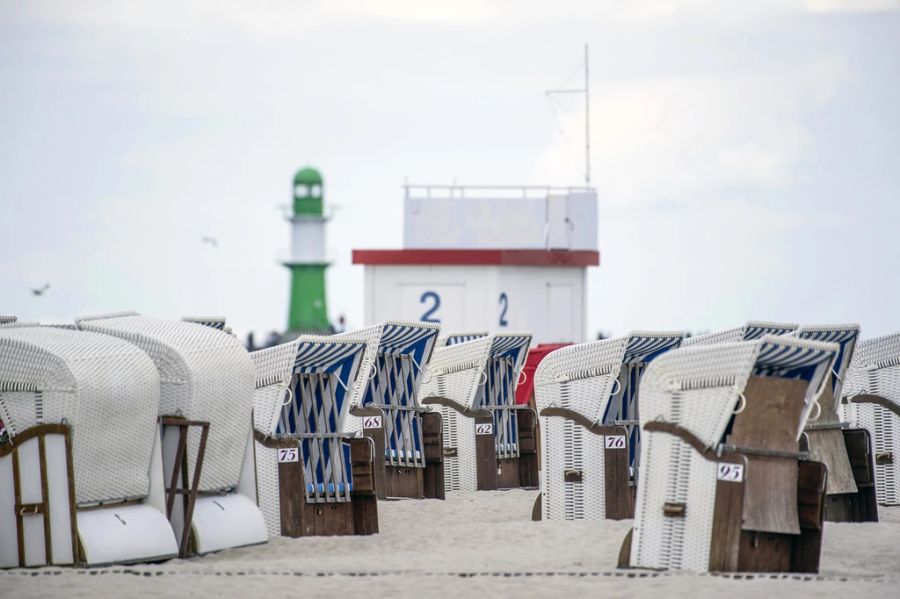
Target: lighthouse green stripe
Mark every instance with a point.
(308, 310)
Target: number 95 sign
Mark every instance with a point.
(733, 473)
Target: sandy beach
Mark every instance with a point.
(472, 544)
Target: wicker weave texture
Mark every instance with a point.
(105, 389)
(273, 375)
(205, 375)
(568, 446)
(456, 372)
(875, 370)
(267, 487)
(580, 377)
(460, 471)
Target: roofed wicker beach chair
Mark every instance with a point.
(81, 478)
(408, 461)
(587, 399)
(488, 440)
(845, 451)
(207, 382)
(724, 486)
(872, 390)
(313, 478)
(7, 319)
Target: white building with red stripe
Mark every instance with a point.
(489, 259)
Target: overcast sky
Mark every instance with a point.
(746, 154)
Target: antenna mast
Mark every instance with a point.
(586, 90)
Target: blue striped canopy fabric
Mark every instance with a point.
(789, 361)
(846, 337)
(498, 393)
(755, 329)
(403, 352)
(324, 371)
(458, 338)
(642, 348)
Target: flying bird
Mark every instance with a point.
(41, 290)
(211, 241)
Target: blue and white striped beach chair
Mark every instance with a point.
(872, 392)
(386, 408)
(304, 460)
(846, 451)
(473, 384)
(724, 485)
(587, 397)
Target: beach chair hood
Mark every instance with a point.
(205, 375)
(105, 389)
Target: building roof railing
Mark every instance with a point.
(428, 191)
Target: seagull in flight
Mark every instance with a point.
(41, 290)
(211, 241)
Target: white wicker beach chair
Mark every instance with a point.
(723, 485)
(206, 397)
(872, 390)
(313, 479)
(473, 385)
(846, 451)
(81, 477)
(587, 398)
(387, 410)
(754, 329)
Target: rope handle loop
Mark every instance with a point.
(290, 397)
(618, 388)
(818, 407)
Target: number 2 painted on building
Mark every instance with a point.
(504, 306)
(429, 313)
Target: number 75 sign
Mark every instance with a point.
(288, 454)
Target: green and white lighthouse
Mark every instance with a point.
(308, 311)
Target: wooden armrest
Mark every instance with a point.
(592, 427)
(442, 401)
(878, 401)
(683, 434)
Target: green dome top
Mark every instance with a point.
(309, 176)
